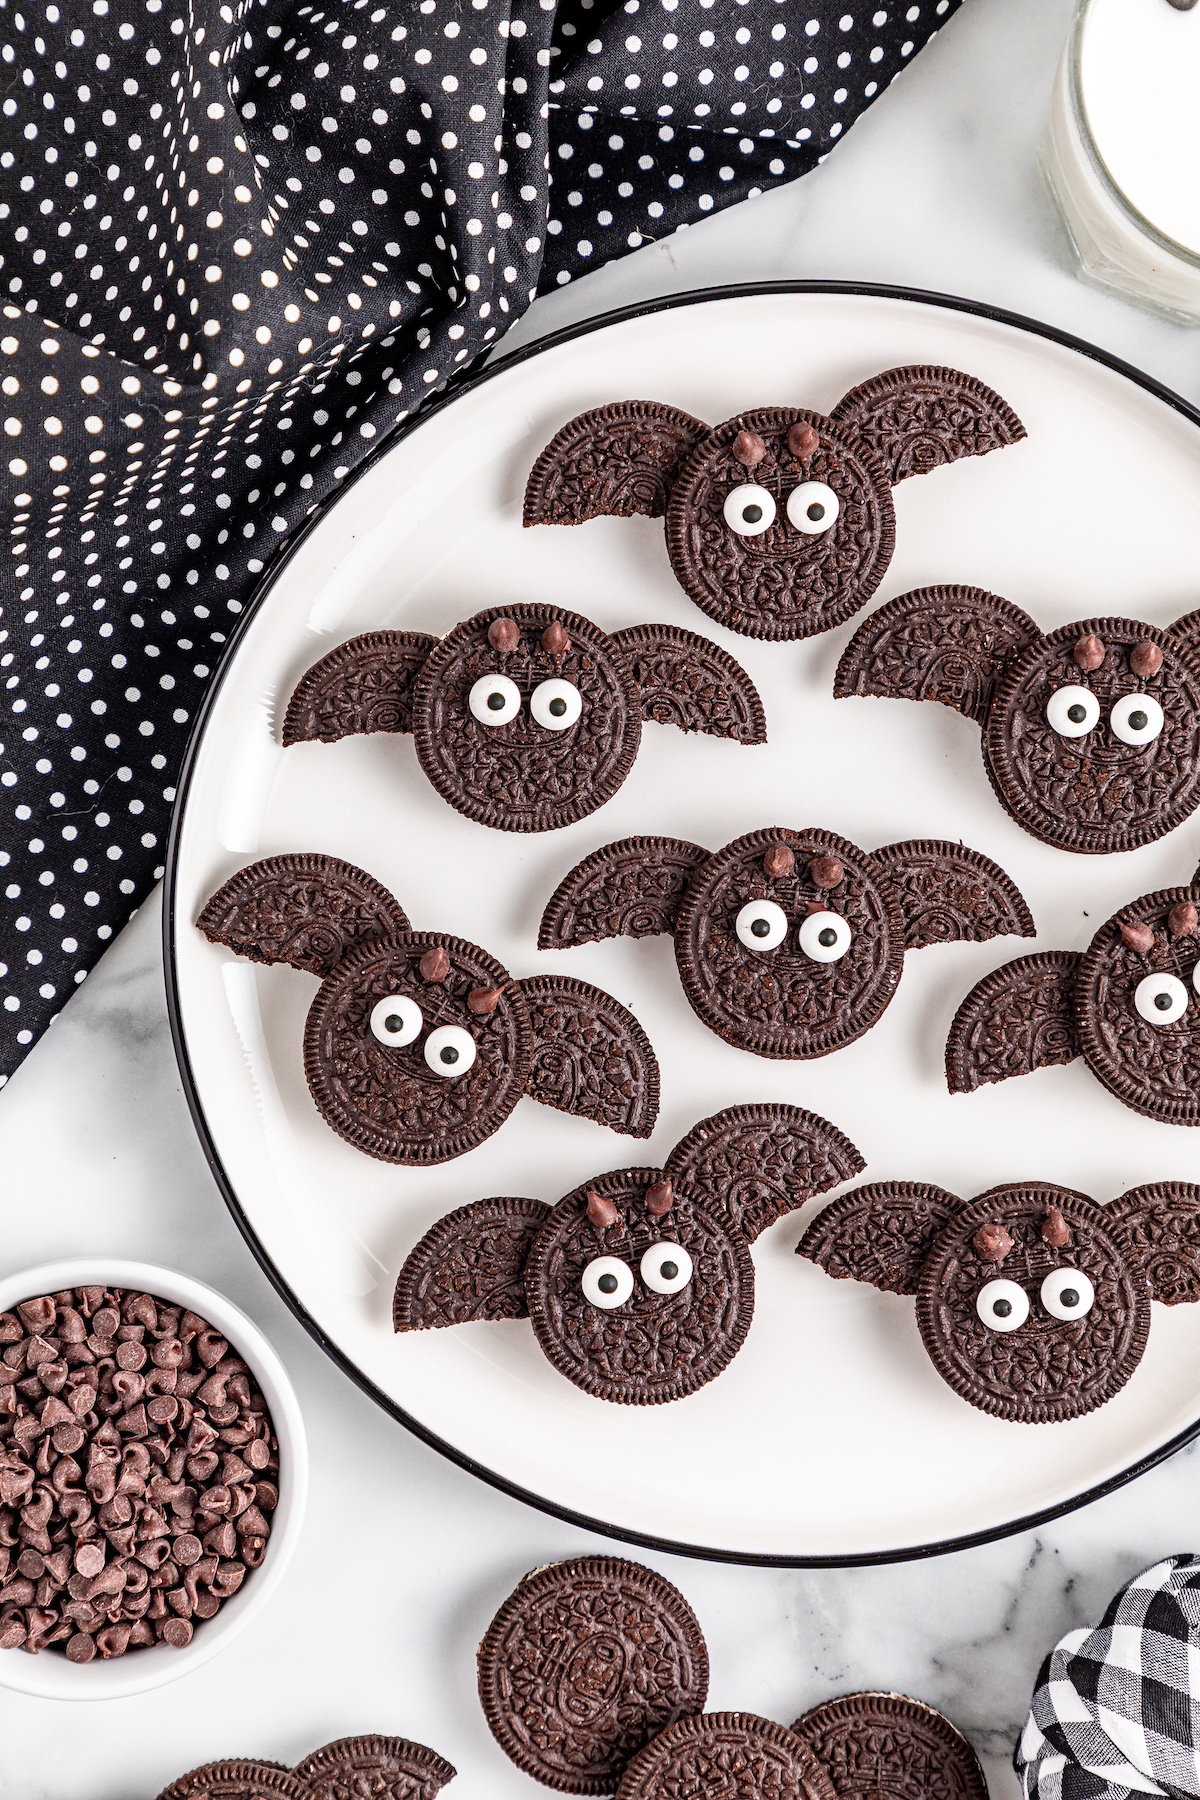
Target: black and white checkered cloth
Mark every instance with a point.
(1116, 1708)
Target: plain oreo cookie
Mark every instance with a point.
(888, 1747)
(1047, 1368)
(584, 1663)
(733, 1756)
(657, 1346)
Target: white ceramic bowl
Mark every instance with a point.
(49, 1674)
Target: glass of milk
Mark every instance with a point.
(1122, 150)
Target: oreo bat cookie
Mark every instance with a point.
(1091, 733)
(1033, 1302)
(789, 943)
(526, 718)
(779, 522)
(384, 1768)
(640, 1283)
(419, 1044)
(592, 1677)
(1129, 1005)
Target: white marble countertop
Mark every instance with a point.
(937, 188)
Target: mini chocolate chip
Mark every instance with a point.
(483, 1001)
(1181, 920)
(435, 965)
(749, 449)
(660, 1198)
(778, 862)
(1089, 653)
(1139, 937)
(80, 1648)
(601, 1212)
(826, 872)
(1145, 658)
(993, 1242)
(802, 441)
(504, 635)
(1055, 1230)
(556, 639)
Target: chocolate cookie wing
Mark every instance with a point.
(1187, 631)
(759, 1162)
(885, 1744)
(952, 895)
(880, 1234)
(1017, 1019)
(1161, 1224)
(917, 418)
(948, 644)
(686, 680)
(386, 1768)
(246, 1780)
(628, 889)
(305, 910)
(365, 685)
(590, 1056)
(617, 459)
(470, 1265)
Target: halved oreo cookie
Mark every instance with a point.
(245, 1780)
(303, 909)
(374, 1768)
(888, 1747)
(584, 1663)
(733, 1756)
(470, 1265)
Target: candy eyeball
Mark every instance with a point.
(396, 1021)
(450, 1051)
(666, 1268)
(761, 925)
(1067, 1294)
(749, 509)
(1196, 977)
(607, 1282)
(825, 937)
(813, 508)
(555, 704)
(494, 699)
(1072, 711)
(1161, 999)
(1002, 1305)
(1136, 719)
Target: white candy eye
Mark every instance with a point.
(1067, 1294)
(449, 1050)
(555, 704)
(813, 508)
(666, 1268)
(1072, 711)
(396, 1020)
(825, 937)
(1161, 999)
(749, 509)
(494, 699)
(1136, 719)
(1196, 977)
(761, 925)
(607, 1282)
(1002, 1305)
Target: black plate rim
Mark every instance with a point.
(473, 379)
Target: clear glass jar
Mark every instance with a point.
(1115, 241)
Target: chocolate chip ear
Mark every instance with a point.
(1017, 1019)
(470, 1265)
(915, 419)
(948, 644)
(628, 889)
(304, 910)
(365, 685)
(880, 1233)
(951, 895)
(590, 1056)
(1161, 1224)
(686, 680)
(618, 459)
(387, 1768)
(760, 1162)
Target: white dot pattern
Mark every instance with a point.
(240, 241)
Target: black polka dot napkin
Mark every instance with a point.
(240, 242)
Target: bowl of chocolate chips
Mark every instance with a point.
(153, 1474)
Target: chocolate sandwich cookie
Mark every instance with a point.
(779, 522)
(1033, 1302)
(1091, 733)
(418, 1045)
(240, 1780)
(528, 717)
(1129, 1006)
(737, 1756)
(888, 1747)
(640, 1283)
(362, 1768)
(584, 1663)
(789, 943)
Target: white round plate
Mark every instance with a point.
(830, 1437)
